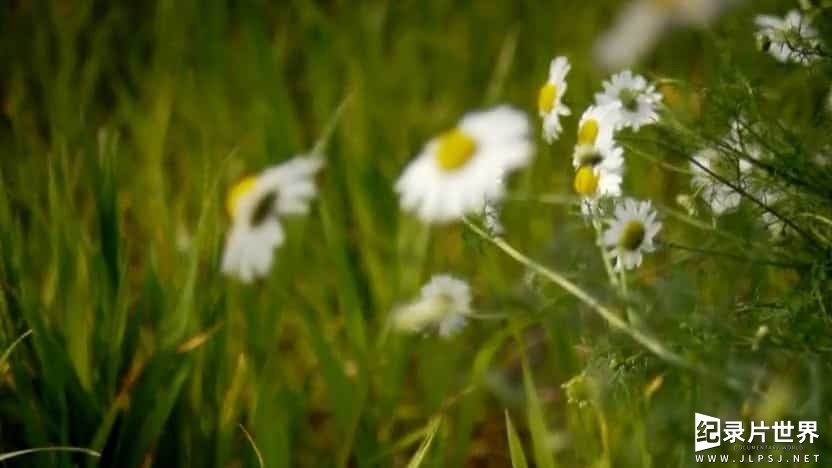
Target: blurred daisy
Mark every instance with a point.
(740, 140)
(773, 198)
(549, 99)
(775, 226)
(460, 170)
(595, 145)
(596, 128)
(732, 164)
(641, 24)
(720, 196)
(444, 304)
(631, 233)
(601, 177)
(593, 184)
(597, 181)
(598, 160)
(637, 97)
(787, 39)
(255, 204)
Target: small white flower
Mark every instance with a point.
(641, 23)
(549, 99)
(740, 140)
(596, 129)
(637, 97)
(593, 184)
(732, 164)
(631, 233)
(598, 160)
(444, 304)
(460, 170)
(787, 38)
(599, 176)
(255, 205)
(720, 196)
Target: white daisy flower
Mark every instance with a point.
(596, 129)
(631, 233)
(721, 197)
(787, 38)
(255, 204)
(593, 184)
(641, 23)
(444, 304)
(549, 99)
(598, 160)
(595, 145)
(638, 99)
(598, 170)
(460, 170)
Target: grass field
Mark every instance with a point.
(124, 125)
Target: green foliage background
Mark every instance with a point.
(124, 123)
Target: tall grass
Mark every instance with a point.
(123, 125)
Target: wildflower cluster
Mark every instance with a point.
(626, 101)
(463, 170)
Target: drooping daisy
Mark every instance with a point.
(596, 130)
(463, 168)
(599, 171)
(721, 197)
(255, 205)
(596, 147)
(549, 99)
(787, 39)
(638, 99)
(444, 304)
(641, 23)
(631, 233)
(598, 160)
(593, 184)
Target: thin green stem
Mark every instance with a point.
(616, 322)
(604, 255)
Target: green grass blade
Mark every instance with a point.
(9, 455)
(250, 440)
(515, 447)
(11, 347)
(421, 452)
(534, 409)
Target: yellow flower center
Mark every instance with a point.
(586, 181)
(239, 190)
(632, 235)
(588, 132)
(455, 149)
(546, 98)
